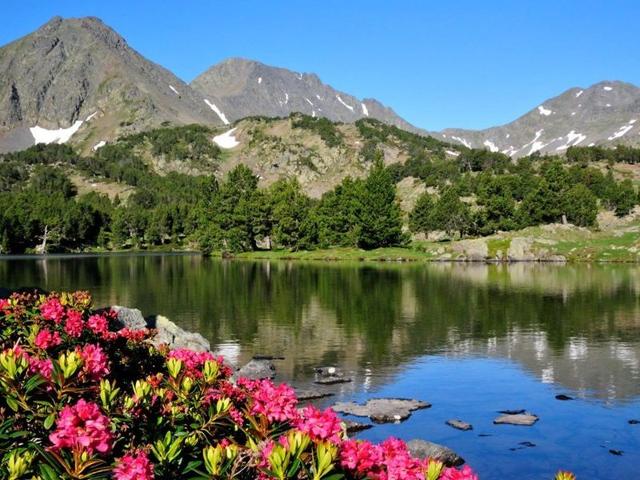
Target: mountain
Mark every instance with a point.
(606, 113)
(77, 77)
(242, 88)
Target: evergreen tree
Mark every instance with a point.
(580, 206)
(420, 217)
(451, 214)
(625, 198)
(380, 217)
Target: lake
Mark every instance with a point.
(470, 339)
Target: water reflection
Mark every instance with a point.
(574, 326)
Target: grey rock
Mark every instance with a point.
(382, 410)
(425, 449)
(355, 427)
(130, 318)
(332, 380)
(459, 424)
(512, 412)
(175, 337)
(257, 370)
(312, 394)
(329, 371)
(564, 397)
(634, 421)
(524, 419)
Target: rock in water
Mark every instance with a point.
(312, 394)
(424, 449)
(382, 410)
(130, 318)
(332, 380)
(459, 424)
(175, 337)
(355, 427)
(524, 419)
(562, 396)
(257, 370)
(634, 421)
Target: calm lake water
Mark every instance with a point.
(470, 339)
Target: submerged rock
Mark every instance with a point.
(634, 421)
(424, 449)
(459, 424)
(382, 410)
(563, 397)
(257, 370)
(618, 453)
(512, 412)
(524, 419)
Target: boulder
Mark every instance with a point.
(328, 372)
(332, 380)
(130, 318)
(459, 424)
(525, 419)
(424, 449)
(563, 397)
(382, 410)
(355, 427)
(175, 337)
(257, 370)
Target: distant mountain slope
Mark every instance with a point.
(77, 77)
(606, 113)
(241, 88)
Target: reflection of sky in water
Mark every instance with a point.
(471, 339)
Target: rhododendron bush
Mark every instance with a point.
(82, 398)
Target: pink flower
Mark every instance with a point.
(399, 463)
(4, 304)
(134, 466)
(52, 310)
(46, 339)
(320, 425)
(74, 324)
(193, 361)
(276, 403)
(454, 474)
(361, 457)
(95, 363)
(98, 324)
(82, 426)
(42, 366)
(133, 335)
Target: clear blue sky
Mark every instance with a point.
(464, 63)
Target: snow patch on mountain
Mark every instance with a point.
(573, 139)
(88, 119)
(579, 93)
(544, 111)
(174, 90)
(462, 141)
(61, 135)
(226, 140)
(213, 107)
(98, 145)
(491, 146)
(309, 101)
(607, 89)
(365, 111)
(623, 130)
(343, 103)
(259, 80)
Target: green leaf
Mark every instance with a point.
(48, 422)
(48, 473)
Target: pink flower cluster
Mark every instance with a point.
(134, 466)
(46, 339)
(41, 366)
(95, 363)
(82, 426)
(320, 425)
(193, 361)
(52, 310)
(466, 473)
(276, 403)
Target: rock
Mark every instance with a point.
(634, 421)
(616, 452)
(424, 449)
(563, 397)
(512, 412)
(257, 370)
(524, 419)
(520, 250)
(130, 318)
(355, 427)
(382, 410)
(332, 380)
(522, 446)
(329, 372)
(459, 424)
(175, 337)
(312, 394)
(485, 435)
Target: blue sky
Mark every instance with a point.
(470, 64)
